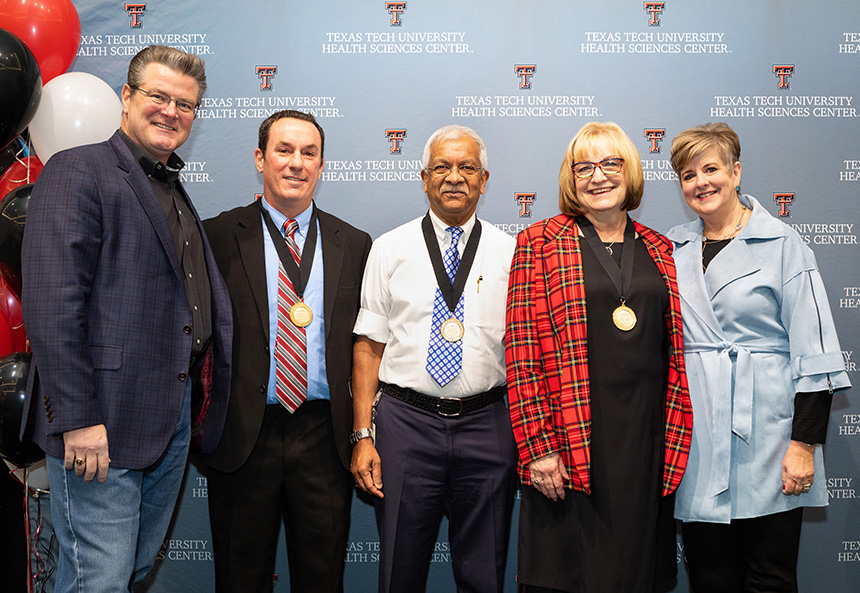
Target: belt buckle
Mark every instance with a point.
(450, 399)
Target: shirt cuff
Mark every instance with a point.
(372, 325)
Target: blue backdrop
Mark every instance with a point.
(381, 76)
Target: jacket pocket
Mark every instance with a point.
(106, 357)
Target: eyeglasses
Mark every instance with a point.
(161, 99)
(585, 169)
(445, 170)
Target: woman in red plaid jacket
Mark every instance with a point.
(598, 394)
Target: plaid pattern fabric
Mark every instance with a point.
(546, 353)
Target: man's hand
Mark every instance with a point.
(366, 467)
(87, 452)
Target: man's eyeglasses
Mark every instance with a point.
(445, 170)
(159, 98)
(585, 169)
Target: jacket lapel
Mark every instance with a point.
(736, 261)
(141, 187)
(249, 238)
(693, 290)
(332, 249)
(563, 288)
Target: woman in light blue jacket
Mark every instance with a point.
(763, 361)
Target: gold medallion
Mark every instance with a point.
(452, 330)
(301, 314)
(624, 318)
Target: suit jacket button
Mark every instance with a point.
(187, 329)
(262, 389)
(183, 376)
(50, 418)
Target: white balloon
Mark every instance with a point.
(76, 109)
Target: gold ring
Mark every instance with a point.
(806, 488)
(80, 461)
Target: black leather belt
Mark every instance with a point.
(449, 407)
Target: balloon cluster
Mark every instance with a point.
(44, 106)
(39, 40)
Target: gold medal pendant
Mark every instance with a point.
(452, 330)
(624, 318)
(301, 314)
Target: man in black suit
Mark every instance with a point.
(285, 449)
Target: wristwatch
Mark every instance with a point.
(361, 433)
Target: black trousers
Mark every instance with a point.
(756, 555)
(293, 474)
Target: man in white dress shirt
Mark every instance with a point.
(431, 339)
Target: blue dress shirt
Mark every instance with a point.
(313, 297)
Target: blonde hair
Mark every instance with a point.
(620, 144)
(692, 142)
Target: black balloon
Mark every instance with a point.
(10, 154)
(14, 369)
(20, 87)
(13, 215)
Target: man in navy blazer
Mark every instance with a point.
(131, 329)
(277, 463)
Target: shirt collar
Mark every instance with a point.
(304, 219)
(760, 225)
(153, 167)
(444, 237)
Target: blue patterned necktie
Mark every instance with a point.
(444, 358)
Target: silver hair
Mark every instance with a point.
(450, 133)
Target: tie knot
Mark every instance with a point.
(290, 227)
(455, 234)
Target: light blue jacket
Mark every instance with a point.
(757, 330)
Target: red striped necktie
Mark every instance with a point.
(291, 376)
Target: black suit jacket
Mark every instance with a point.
(237, 242)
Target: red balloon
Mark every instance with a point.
(12, 335)
(7, 343)
(50, 28)
(17, 173)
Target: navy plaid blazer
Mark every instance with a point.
(106, 311)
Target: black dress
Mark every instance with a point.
(621, 538)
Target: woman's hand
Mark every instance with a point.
(548, 475)
(798, 468)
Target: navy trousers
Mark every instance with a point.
(431, 464)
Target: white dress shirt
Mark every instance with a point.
(397, 307)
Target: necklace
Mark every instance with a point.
(731, 235)
(608, 244)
